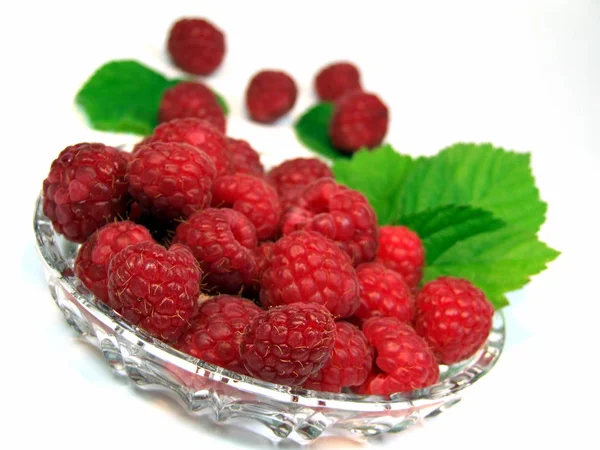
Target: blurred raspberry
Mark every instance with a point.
(270, 95)
(401, 250)
(291, 177)
(196, 46)
(245, 159)
(85, 189)
(336, 80)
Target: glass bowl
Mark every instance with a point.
(213, 393)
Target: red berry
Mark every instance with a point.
(306, 267)
(216, 331)
(201, 135)
(404, 358)
(401, 250)
(350, 363)
(196, 46)
(170, 179)
(155, 288)
(291, 177)
(251, 196)
(287, 344)
(223, 242)
(93, 257)
(245, 159)
(270, 95)
(359, 120)
(85, 189)
(191, 99)
(337, 212)
(139, 145)
(454, 317)
(263, 256)
(336, 80)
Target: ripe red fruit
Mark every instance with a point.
(288, 343)
(359, 120)
(454, 317)
(383, 292)
(85, 189)
(270, 95)
(337, 212)
(291, 177)
(337, 79)
(223, 242)
(251, 196)
(350, 363)
(306, 267)
(405, 360)
(244, 158)
(196, 46)
(216, 331)
(93, 257)
(401, 250)
(189, 99)
(171, 180)
(200, 134)
(155, 288)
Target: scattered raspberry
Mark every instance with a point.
(401, 249)
(350, 363)
(155, 288)
(189, 99)
(170, 179)
(336, 80)
(287, 344)
(201, 135)
(270, 95)
(383, 292)
(404, 358)
(337, 212)
(359, 120)
(245, 159)
(454, 317)
(291, 177)
(93, 257)
(85, 189)
(223, 242)
(306, 267)
(216, 331)
(196, 46)
(251, 196)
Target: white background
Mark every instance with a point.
(524, 75)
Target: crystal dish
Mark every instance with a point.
(213, 393)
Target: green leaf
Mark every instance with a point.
(441, 228)
(481, 176)
(380, 175)
(311, 130)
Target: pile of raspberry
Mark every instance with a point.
(281, 275)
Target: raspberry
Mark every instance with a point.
(287, 344)
(245, 159)
(454, 317)
(270, 95)
(337, 212)
(223, 243)
(195, 100)
(93, 257)
(306, 267)
(401, 250)
(251, 196)
(336, 80)
(137, 147)
(263, 256)
(350, 363)
(196, 46)
(170, 179)
(85, 189)
(383, 292)
(291, 177)
(359, 120)
(155, 288)
(404, 358)
(201, 135)
(216, 331)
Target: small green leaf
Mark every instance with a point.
(311, 130)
